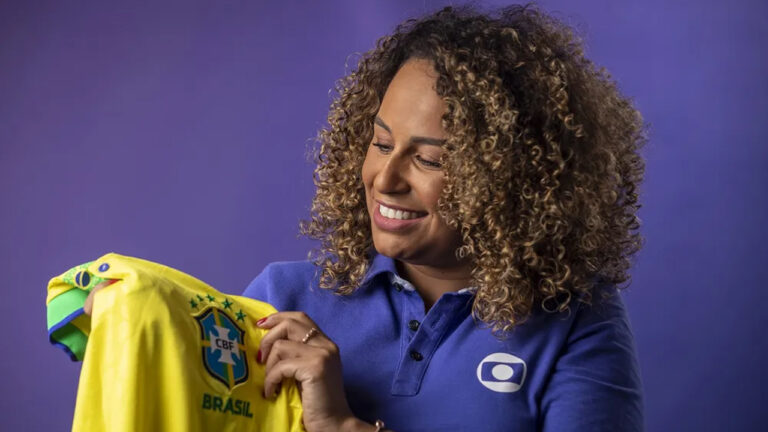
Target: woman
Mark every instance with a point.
(476, 170)
(476, 206)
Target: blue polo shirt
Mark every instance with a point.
(443, 371)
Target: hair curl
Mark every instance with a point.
(541, 164)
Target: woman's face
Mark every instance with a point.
(401, 173)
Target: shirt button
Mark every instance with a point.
(398, 287)
(413, 325)
(416, 355)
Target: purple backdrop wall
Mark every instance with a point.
(177, 132)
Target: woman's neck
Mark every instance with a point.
(432, 282)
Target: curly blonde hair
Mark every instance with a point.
(541, 164)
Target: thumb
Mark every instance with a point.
(88, 306)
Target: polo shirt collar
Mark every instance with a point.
(380, 264)
(384, 264)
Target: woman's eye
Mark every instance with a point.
(384, 148)
(429, 163)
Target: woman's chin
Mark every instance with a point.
(394, 251)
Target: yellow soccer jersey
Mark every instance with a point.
(164, 351)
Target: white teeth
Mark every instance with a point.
(396, 214)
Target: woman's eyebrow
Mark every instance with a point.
(414, 139)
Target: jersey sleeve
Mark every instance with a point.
(595, 385)
(68, 325)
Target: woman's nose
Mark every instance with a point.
(391, 178)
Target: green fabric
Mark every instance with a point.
(64, 305)
(73, 338)
(60, 308)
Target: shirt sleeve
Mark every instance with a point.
(595, 385)
(258, 289)
(282, 284)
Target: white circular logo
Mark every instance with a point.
(501, 372)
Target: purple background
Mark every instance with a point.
(178, 133)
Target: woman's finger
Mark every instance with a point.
(283, 350)
(278, 317)
(286, 349)
(275, 375)
(88, 305)
(288, 327)
(297, 368)
(278, 332)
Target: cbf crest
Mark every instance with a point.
(223, 348)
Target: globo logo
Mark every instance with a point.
(502, 372)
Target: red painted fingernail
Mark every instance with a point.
(258, 356)
(261, 321)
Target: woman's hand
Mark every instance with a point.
(88, 306)
(315, 365)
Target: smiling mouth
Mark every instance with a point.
(391, 213)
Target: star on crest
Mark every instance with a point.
(240, 315)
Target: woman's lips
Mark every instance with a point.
(387, 224)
